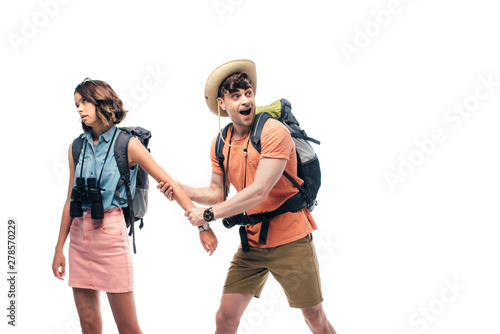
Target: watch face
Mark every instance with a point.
(208, 215)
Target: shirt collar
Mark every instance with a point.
(107, 136)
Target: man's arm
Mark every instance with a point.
(268, 173)
(138, 154)
(210, 195)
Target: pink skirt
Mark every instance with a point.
(99, 253)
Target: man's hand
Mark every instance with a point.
(195, 216)
(209, 241)
(167, 190)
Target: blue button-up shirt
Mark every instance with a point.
(94, 163)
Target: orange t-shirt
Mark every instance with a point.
(276, 143)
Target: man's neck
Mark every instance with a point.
(240, 132)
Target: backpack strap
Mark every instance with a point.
(219, 145)
(260, 120)
(302, 135)
(258, 125)
(121, 157)
(293, 204)
(245, 247)
(76, 148)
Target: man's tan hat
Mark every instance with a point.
(220, 74)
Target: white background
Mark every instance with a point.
(388, 256)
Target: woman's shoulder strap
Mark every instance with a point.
(76, 148)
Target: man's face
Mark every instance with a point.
(240, 106)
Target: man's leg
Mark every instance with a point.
(295, 266)
(316, 320)
(231, 309)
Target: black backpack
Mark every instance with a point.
(308, 168)
(136, 209)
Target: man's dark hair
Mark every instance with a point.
(234, 82)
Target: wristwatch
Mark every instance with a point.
(203, 228)
(208, 215)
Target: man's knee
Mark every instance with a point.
(227, 318)
(314, 316)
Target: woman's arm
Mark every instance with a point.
(138, 154)
(59, 262)
(210, 195)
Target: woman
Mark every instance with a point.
(99, 252)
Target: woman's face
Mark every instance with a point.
(86, 110)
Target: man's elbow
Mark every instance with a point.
(219, 197)
(261, 194)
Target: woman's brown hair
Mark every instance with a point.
(109, 107)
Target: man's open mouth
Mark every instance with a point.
(246, 112)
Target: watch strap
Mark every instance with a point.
(203, 228)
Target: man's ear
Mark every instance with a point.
(221, 103)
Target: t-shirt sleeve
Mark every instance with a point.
(215, 163)
(276, 141)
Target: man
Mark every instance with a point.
(288, 252)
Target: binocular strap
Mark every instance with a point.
(244, 239)
(132, 231)
(264, 229)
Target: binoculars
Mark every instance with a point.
(81, 194)
(241, 219)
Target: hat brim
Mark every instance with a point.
(220, 74)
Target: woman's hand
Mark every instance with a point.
(59, 262)
(209, 241)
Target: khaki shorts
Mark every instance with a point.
(293, 265)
